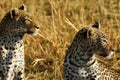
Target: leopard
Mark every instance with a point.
(15, 24)
(81, 59)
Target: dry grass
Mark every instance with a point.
(59, 21)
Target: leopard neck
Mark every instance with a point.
(82, 60)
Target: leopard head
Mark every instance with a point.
(19, 21)
(96, 41)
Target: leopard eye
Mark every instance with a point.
(104, 43)
(104, 40)
(28, 20)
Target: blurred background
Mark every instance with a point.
(59, 21)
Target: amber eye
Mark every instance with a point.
(28, 20)
(104, 43)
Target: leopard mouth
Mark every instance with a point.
(30, 32)
(33, 31)
(103, 54)
(107, 55)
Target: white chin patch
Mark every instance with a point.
(110, 55)
(36, 32)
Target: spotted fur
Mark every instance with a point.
(80, 61)
(13, 26)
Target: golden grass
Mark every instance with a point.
(59, 21)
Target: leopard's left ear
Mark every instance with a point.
(22, 7)
(13, 13)
(96, 25)
(86, 33)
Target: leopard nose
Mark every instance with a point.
(112, 49)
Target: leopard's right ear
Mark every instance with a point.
(22, 7)
(13, 13)
(86, 33)
(96, 25)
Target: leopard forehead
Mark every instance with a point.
(88, 33)
(19, 14)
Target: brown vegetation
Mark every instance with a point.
(59, 21)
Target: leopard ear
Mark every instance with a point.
(86, 33)
(13, 13)
(22, 7)
(89, 33)
(96, 25)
